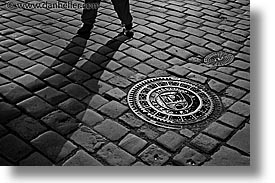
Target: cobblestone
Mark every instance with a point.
(113, 109)
(52, 79)
(154, 155)
(205, 143)
(54, 146)
(241, 139)
(81, 158)
(111, 129)
(115, 156)
(171, 140)
(88, 139)
(189, 157)
(27, 127)
(132, 143)
(228, 157)
(13, 148)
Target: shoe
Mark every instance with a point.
(128, 30)
(85, 29)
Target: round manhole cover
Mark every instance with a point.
(219, 58)
(172, 102)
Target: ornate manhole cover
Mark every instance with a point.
(172, 102)
(219, 58)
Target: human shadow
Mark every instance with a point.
(95, 64)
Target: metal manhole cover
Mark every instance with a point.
(219, 58)
(172, 102)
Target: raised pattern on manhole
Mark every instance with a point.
(173, 102)
(219, 58)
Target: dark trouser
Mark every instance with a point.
(121, 7)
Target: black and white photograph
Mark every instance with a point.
(125, 83)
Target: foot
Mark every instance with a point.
(128, 30)
(85, 29)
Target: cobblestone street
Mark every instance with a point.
(63, 98)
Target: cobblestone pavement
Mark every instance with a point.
(63, 98)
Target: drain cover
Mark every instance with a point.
(219, 58)
(172, 102)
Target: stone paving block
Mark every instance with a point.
(103, 75)
(21, 62)
(219, 131)
(232, 45)
(144, 68)
(180, 71)
(61, 122)
(241, 140)
(154, 155)
(40, 71)
(182, 53)
(113, 109)
(52, 95)
(31, 82)
(8, 112)
(196, 68)
(158, 63)
(36, 106)
(132, 144)
(131, 120)
(233, 37)
(11, 72)
(40, 45)
(63, 68)
(14, 93)
(57, 80)
(193, 31)
(149, 133)
(243, 84)
(111, 65)
(199, 50)
(72, 106)
(214, 47)
(240, 64)
(227, 102)
(234, 92)
(95, 101)
(187, 133)
(216, 85)
(116, 94)
(140, 55)
(228, 157)
(48, 61)
(31, 54)
(125, 72)
(3, 131)
(88, 139)
(13, 148)
(111, 129)
(120, 82)
(205, 143)
(179, 42)
(90, 117)
(97, 86)
(171, 140)
(76, 91)
(129, 61)
(137, 77)
(27, 127)
(81, 158)
(214, 38)
(241, 108)
(35, 159)
(54, 146)
(196, 40)
(161, 55)
(115, 156)
(246, 98)
(189, 157)
(232, 119)
(227, 70)
(242, 74)
(221, 76)
(78, 76)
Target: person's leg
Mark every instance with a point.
(88, 16)
(122, 7)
